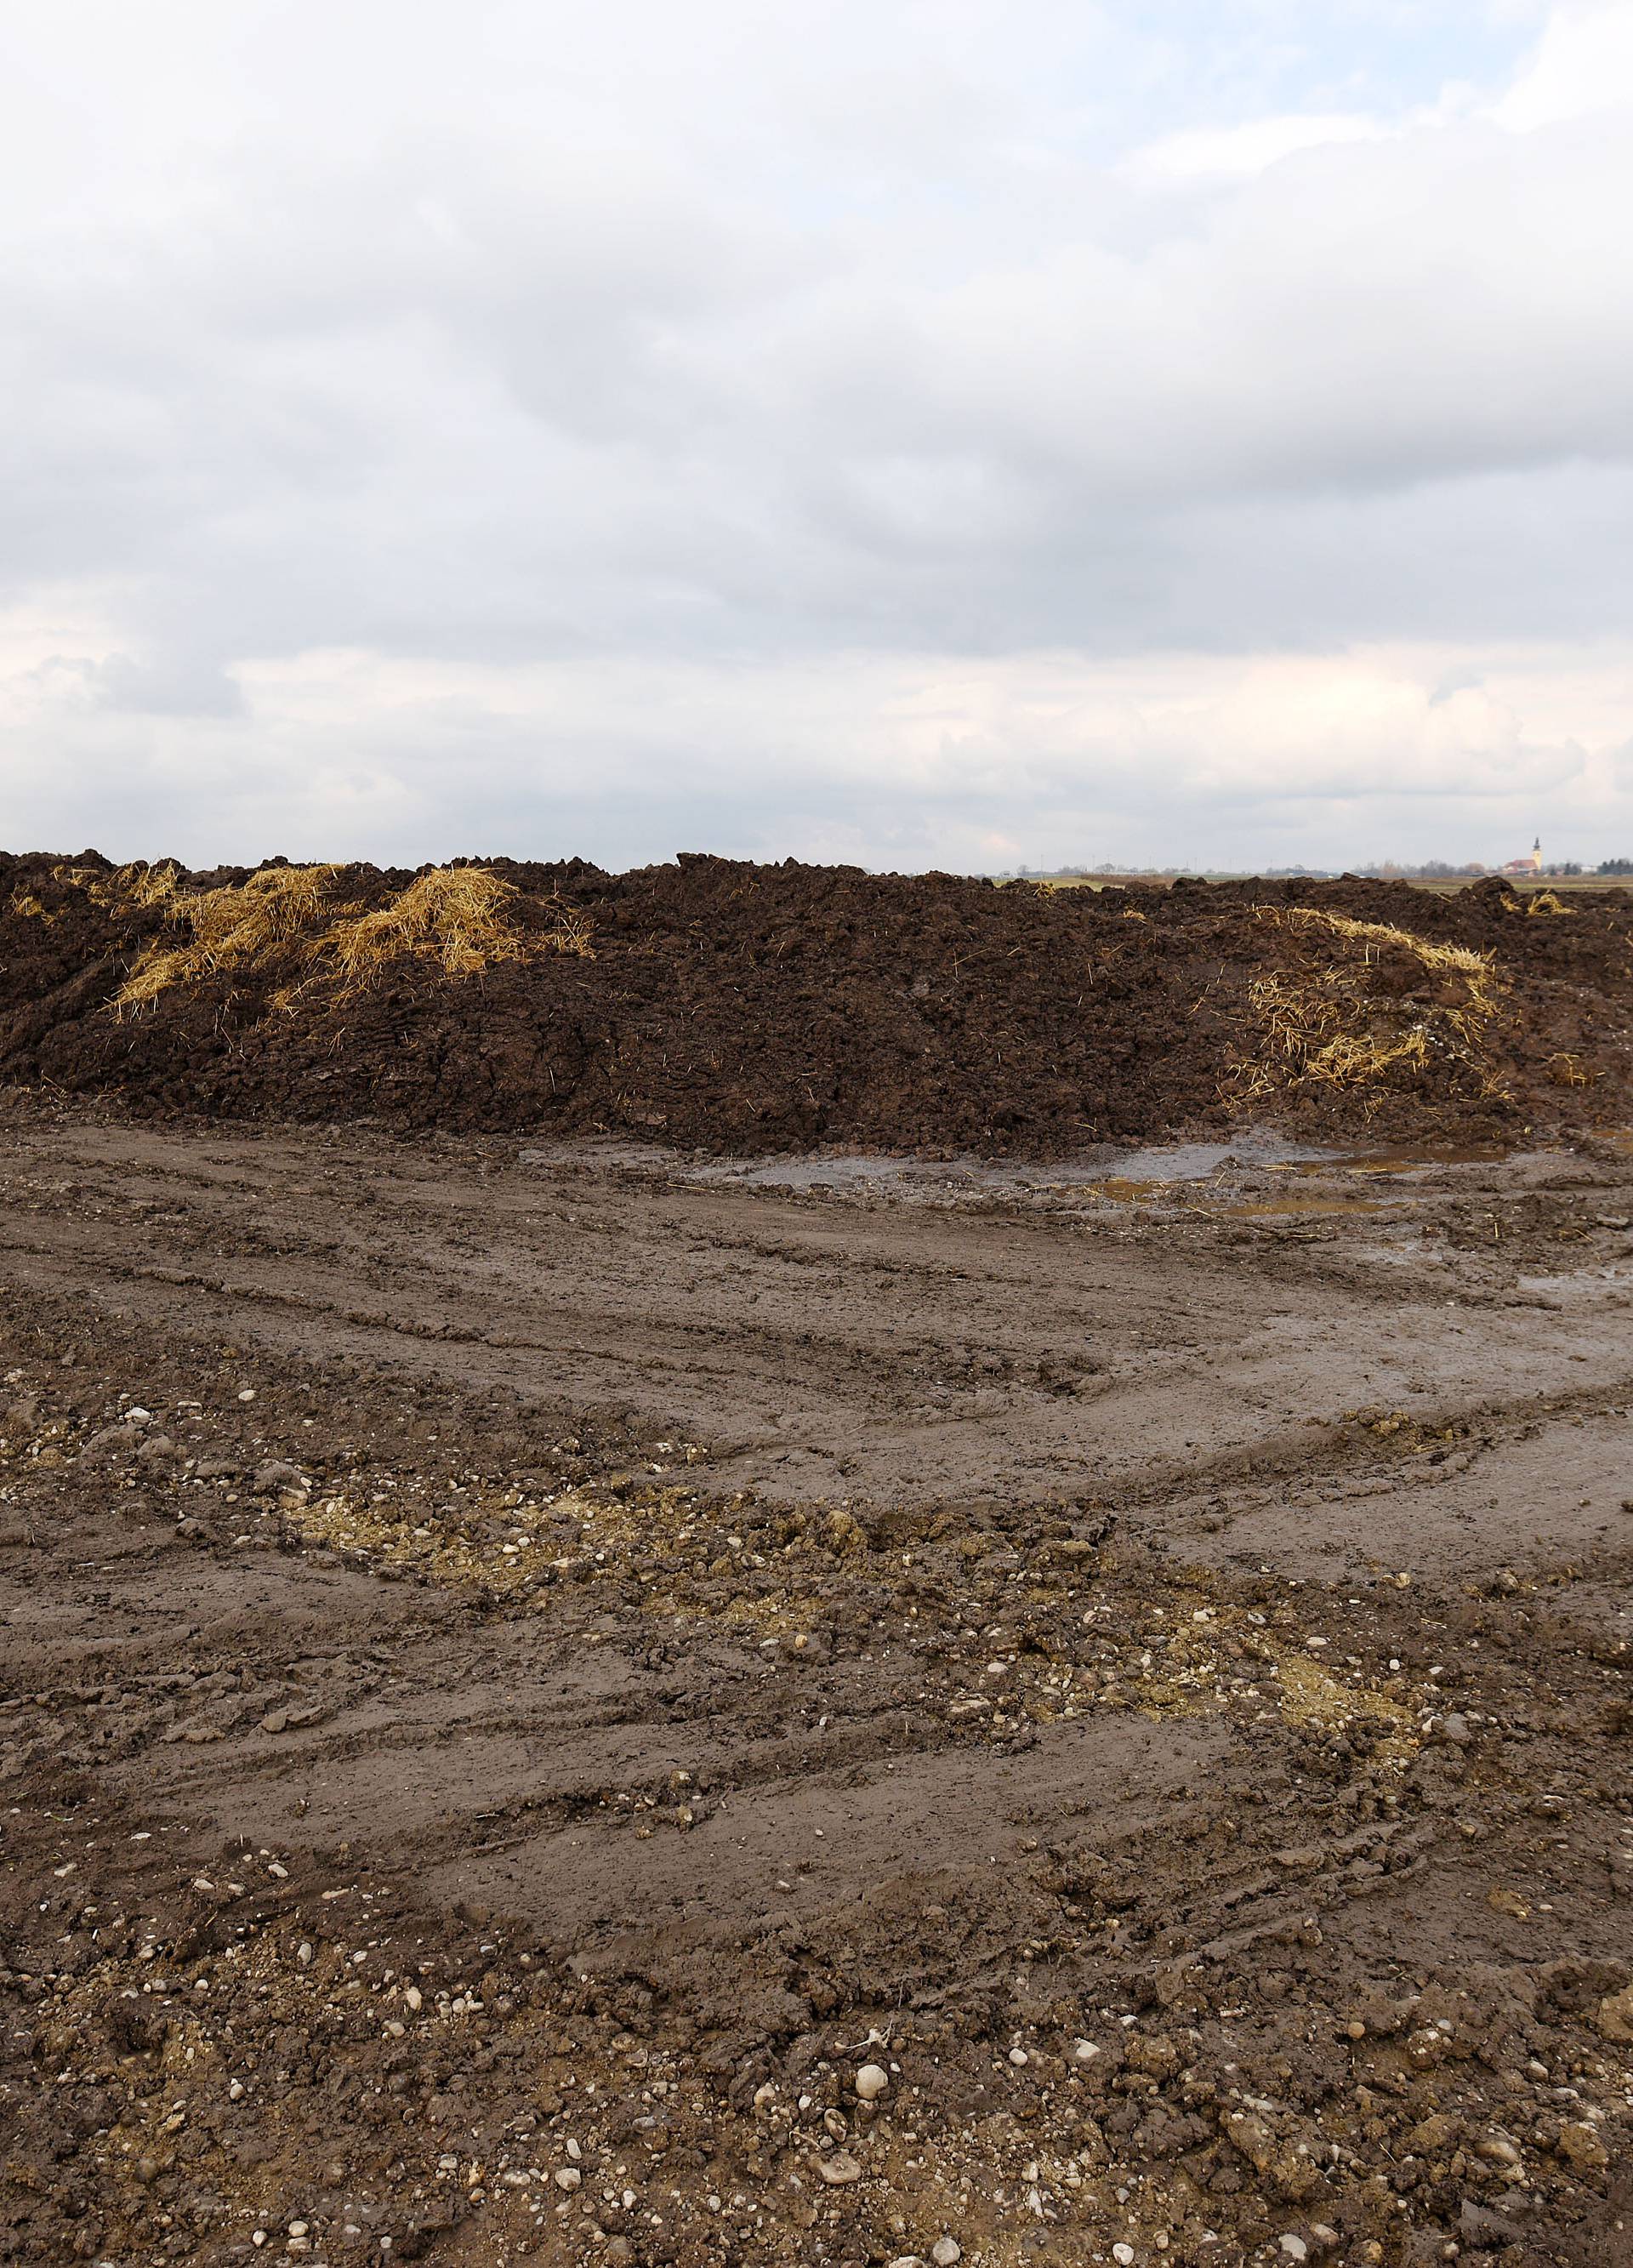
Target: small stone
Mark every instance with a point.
(1614, 2019)
(839, 2169)
(412, 1997)
(297, 2228)
(568, 2177)
(247, 1393)
(1018, 2055)
(1499, 2150)
(1582, 2145)
(947, 2252)
(1123, 2253)
(1294, 2247)
(1439, 2132)
(276, 1474)
(302, 1951)
(871, 2080)
(1454, 1730)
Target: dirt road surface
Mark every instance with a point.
(587, 1706)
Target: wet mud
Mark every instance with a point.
(581, 1706)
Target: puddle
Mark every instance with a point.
(1106, 1171)
(1173, 1174)
(1134, 1171)
(1405, 1160)
(850, 1172)
(1198, 1162)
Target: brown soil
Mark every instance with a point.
(770, 1008)
(525, 1672)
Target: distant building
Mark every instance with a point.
(1532, 864)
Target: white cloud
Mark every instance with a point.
(884, 758)
(399, 400)
(1208, 155)
(1582, 69)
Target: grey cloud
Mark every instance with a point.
(457, 335)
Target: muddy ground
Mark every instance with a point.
(598, 1706)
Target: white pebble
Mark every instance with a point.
(1018, 2055)
(247, 1393)
(568, 2177)
(871, 2080)
(412, 1997)
(302, 1951)
(947, 2252)
(1295, 2247)
(1122, 2252)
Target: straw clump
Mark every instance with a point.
(293, 921)
(240, 927)
(462, 916)
(139, 884)
(1371, 1007)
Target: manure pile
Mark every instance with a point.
(752, 1008)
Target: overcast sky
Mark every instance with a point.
(956, 433)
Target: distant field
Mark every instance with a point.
(1448, 888)
(1562, 883)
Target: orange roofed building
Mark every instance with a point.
(1531, 863)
